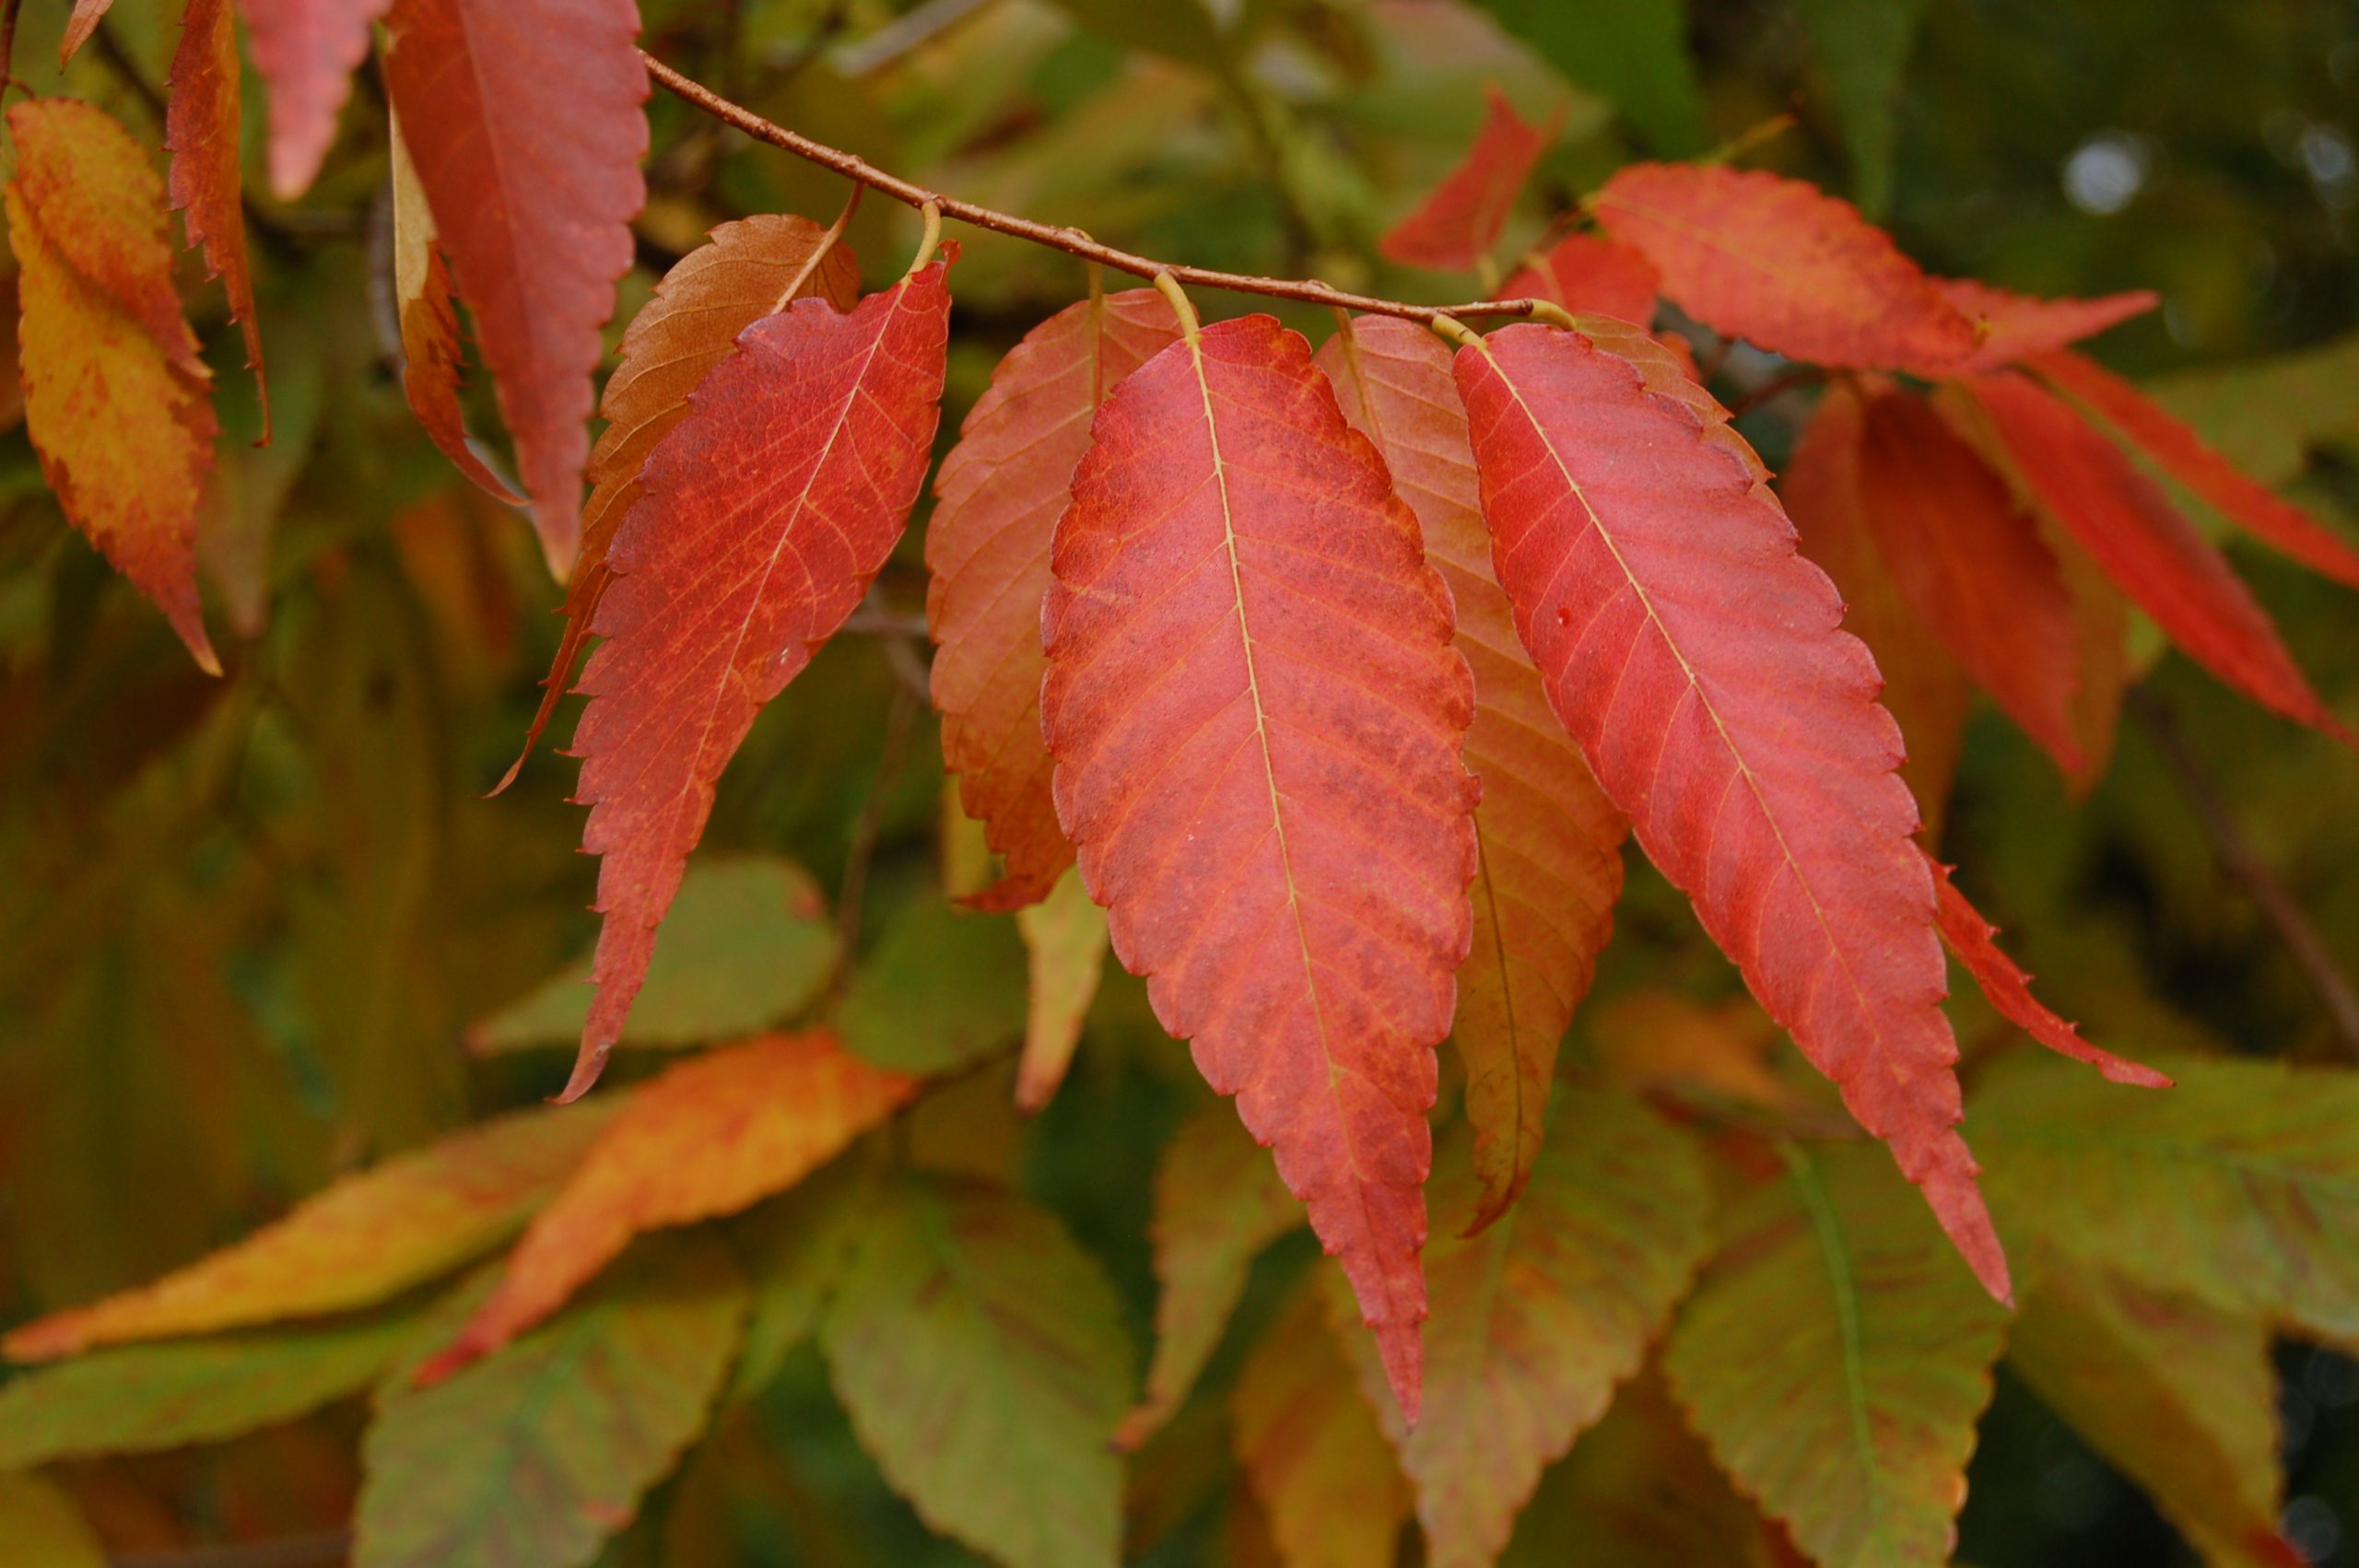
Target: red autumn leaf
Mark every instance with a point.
(1583, 272)
(1785, 266)
(84, 21)
(2015, 326)
(1455, 226)
(1924, 690)
(1969, 561)
(524, 119)
(752, 268)
(201, 133)
(2181, 453)
(1000, 491)
(306, 50)
(1551, 842)
(1256, 716)
(1973, 941)
(117, 402)
(1696, 660)
(770, 509)
(709, 1137)
(2131, 529)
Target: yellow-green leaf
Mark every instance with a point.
(43, 1528)
(1064, 946)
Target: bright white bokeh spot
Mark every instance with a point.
(2106, 173)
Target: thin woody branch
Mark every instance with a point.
(1072, 242)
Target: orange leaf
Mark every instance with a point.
(1550, 841)
(306, 50)
(1000, 491)
(79, 26)
(1784, 265)
(1256, 716)
(1968, 560)
(710, 1137)
(117, 402)
(361, 1241)
(523, 117)
(2014, 326)
(1695, 659)
(2181, 453)
(1456, 225)
(2128, 526)
(768, 510)
(753, 267)
(201, 133)
(1582, 272)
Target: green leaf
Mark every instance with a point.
(2239, 1188)
(532, 1458)
(1183, 29)
(1863, 47)
(143, 1397)
(943, 987)
(747, 944)
(795, 1249)
(43, 1528)
(2178, 1395)
(2264, 415)
(981, 1355)
(1536, 1318)
(1836, 1359)
(1633, 52)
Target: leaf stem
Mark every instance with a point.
(1055, 237)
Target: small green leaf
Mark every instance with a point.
(795, 1249)
(943, 987)
(1632, 52)
(1863, 47)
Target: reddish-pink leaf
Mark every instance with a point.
(767, 512)
(306, 50)
(1975, 941)
(1969, 560)
(2131, 529)
(2181, 453)
(1924, 690)
(79, 26)
(201, 132)
(754, 267)
(1696, 660)
(1785, 266)
(706, 1138)
(1583, 272)
(1256, 716)
(1459, 220)
(524, 119)
(1551, 842)
(1002, 489)
(2016, 326)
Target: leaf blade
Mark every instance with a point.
(306, 50)
(201, 119)
(1453, 229)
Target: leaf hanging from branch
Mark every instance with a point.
(2016, 326)
(201, 121)
(306, 50)
(1585, 271)
(1455, 226)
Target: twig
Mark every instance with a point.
(1072, 242)
(2243, 866)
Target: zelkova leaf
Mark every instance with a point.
(2178, 1395)
(79, 25)
(1000, 492)
(1970, 562)
(43, 1528)
(980, 1356)
(306, 50)
(709, 1137)
(1256, 715)
(2018, 326)
(523, 117)
(771, 507)
(1537, 1319)
(1455, 226)
(1695, 659)
(753, 267)
(1312, 1449)
(2241, 1188)
(356, 1243)
(2008, 989)
(1785, 266)
(1585, 271)
(1217, 1204)
(1924, 690)
(1065, 949)
(201, 120)
(2179, 452)
(1836, 1359)
(2131, 529)
(117, 402)
(532, 1458)
(429, 322)
(1550, 842)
